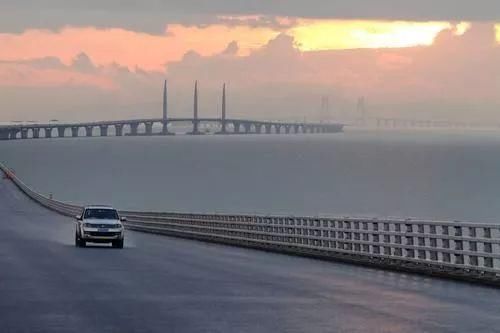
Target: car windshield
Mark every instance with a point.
(101, 214)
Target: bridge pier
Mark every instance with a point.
(248, 128)
(103, 130)
(258, 128)
(277, 129)
(74, 131)
(133, 129)
(48, 132)
(164, 130)
(149, 129)
(118, 130)
(268, 128)
(24, 133)
(223, 129)
(4, 134)
(36, 133)
(196, 127)
(236, 126)
(60, 131)
(88, 131)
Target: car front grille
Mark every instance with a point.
(105, 226)
(102, 234)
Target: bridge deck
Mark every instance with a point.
(160, 284)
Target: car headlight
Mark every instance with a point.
(117, 226)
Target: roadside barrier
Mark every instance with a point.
(460, 250)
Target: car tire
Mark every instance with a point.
(79, 242)
(118, 244)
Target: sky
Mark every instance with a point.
(74, 60)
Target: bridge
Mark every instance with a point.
(147, 127)
(226, 284)
(402, 123)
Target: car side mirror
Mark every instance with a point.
(78, 217)
(123, 219)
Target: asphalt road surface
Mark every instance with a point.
(163, 284)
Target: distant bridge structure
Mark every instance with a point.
(418, 123)
(147, 126)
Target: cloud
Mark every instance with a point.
(129, 48)
(458, 76)
(43, 89)
(151, 15)
(232, 49)
(50, 72)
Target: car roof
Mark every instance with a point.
(99, 207)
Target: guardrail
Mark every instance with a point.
(459, 250)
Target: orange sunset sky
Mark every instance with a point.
(66, 63)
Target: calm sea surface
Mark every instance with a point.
(438, 175)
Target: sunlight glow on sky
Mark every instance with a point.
(313, 35)
(413, 63)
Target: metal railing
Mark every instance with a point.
(469, 251)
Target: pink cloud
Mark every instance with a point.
(458, 76)
(27, 75)
(457, 70)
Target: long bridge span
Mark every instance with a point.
(159, 283)
(146, 127)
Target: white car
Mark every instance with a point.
(99, 224)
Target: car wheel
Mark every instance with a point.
(79, 242)
(118, 244)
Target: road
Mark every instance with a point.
(162, 284)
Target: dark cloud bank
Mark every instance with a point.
(152, 15)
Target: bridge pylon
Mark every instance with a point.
(165, 111)
(223, 120)
(196, 122)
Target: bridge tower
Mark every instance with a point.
(223, 120)
(361, 112)
(224, 108)
(165, 110)
(195, 111)
(325, 109)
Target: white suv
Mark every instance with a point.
(99, 224)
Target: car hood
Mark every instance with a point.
(98, 221)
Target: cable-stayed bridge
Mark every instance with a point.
(160, 126)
